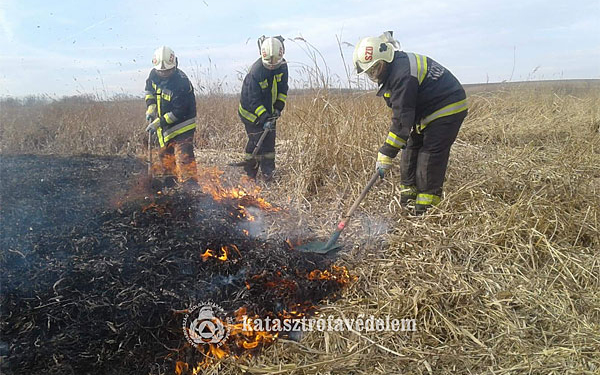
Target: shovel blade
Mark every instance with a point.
(318, 247)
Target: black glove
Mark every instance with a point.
(279, 105)
(260, 120)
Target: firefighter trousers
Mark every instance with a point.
(177, 158)
(265, 157)
(425, 158)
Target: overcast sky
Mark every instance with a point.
(71, 47)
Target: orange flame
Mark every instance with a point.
(339, 274)
(207, 254)
(224, 251)
(180, 367)
(243, 335)
(211, 182)
(224, 256)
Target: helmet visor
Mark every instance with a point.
(166, 73)
(375, 71)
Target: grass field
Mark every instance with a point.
(502, 277)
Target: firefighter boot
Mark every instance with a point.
(251, 166)
(424, 202)
(407, 194)
(267, 166)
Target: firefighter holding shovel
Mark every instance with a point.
(263, 97)
(171, 113)
(428, 107)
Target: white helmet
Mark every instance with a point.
(373, 49)
(164, 58)
(271, 52)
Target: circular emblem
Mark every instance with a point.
(205, 323)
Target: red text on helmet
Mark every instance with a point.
(369, 53)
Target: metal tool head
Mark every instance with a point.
(319, 247)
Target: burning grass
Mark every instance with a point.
(501, 278)
(109, 293)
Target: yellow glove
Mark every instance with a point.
(151, 112)
(384, 163)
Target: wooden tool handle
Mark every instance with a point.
(150, 154)
(362, 196)
(260, 142)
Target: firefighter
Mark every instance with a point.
(263, 97)
(171, 112)
(428, 107)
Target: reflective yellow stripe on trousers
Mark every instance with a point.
(165, 136)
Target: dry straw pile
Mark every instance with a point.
(502, 277)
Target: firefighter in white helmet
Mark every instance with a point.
(263, 97)
(171, 112)
(428, 108)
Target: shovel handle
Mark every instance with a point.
(150, 154)
(362, 196)
(262, 137)
(260, 142)
(333, 239)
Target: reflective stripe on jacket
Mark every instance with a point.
(263, 90)
(175, 104)
(419, 91)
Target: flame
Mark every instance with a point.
(171, 161)
(222, 255)
(180, 367)
(243, 337)
(339, 274)
(207, 254)
(245, 334)
(211, 182)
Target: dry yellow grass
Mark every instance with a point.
(502, 277)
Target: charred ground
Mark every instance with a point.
(94, 270)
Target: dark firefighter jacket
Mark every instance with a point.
(263, 91)
(175, 104)
(419, 91)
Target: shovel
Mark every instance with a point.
(320, 247)
(150, 174)
(256, 148)
(155, 183)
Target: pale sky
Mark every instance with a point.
(71, 47)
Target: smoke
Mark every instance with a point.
(256, 228)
